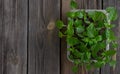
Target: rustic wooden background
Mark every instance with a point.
(28, 37)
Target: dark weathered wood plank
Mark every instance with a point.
(44, 57)
(1, 36)
(117, 31)
(13, 36)
(105, 69)
(90, 4)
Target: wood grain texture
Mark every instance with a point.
(66, 66)
(1, 36)
(117, 31)
(44, 53)
(13, 36)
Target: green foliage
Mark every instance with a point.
(60, 34)
(71, 14)
(91, 31)
(70, 28)
(87, 34)
(59, 24)
(73, 4)
(112, 13)
(109, 53)
(112, 63)
(79, 29)
(72, 41)
(96, 15)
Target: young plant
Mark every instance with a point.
(88, 34)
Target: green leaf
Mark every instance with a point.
(91, 31)
(72, 41)
(99, 64)
(109, 26)
(59, 24)
(96, 15)
(97, 47)
(77, 54)
(91, 42)
(112, 36)
(112, 63)
(80, 35)
(104, 35)
(79, 14)
(87, 21)
(80, 29)
(78, 22)
(107, 59)
(110, 52)
(88, 55)
(82, 47)
(70, 49)
(108, 36)
(84, 14)
(94, 40)
(86, 39)
(71, 14)
(102, 45)
(114, 44)
(100, 24)
(60, 34)
(107, 33)
(73, 4)
(112, 13)
(98, 38)
(70, 28)
(77, 62)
